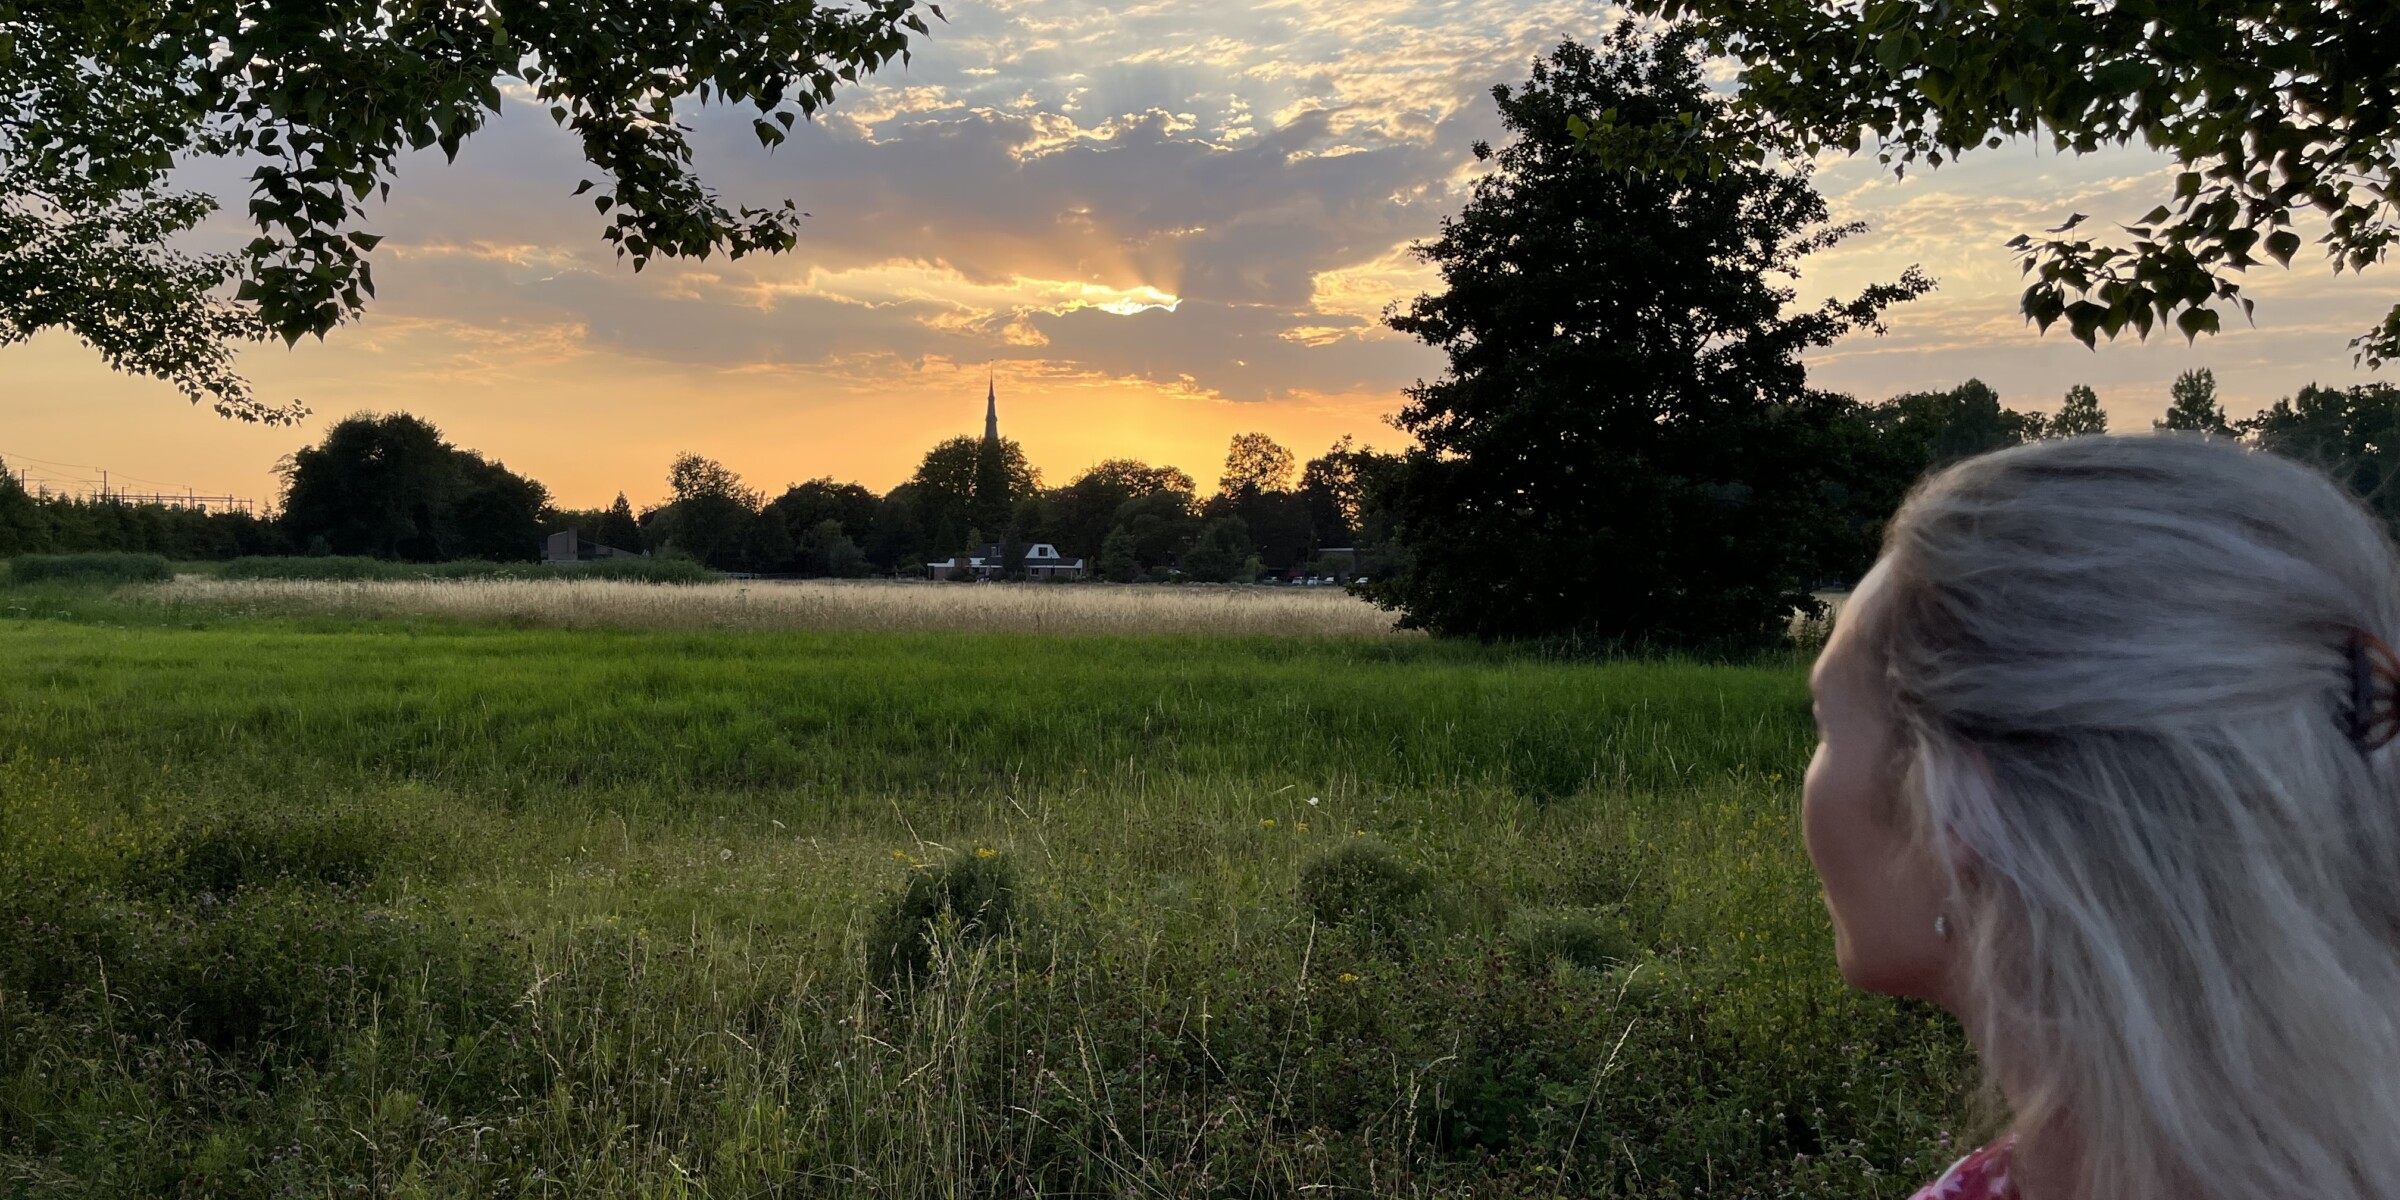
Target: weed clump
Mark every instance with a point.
(1585, 937)
(341, 848)
(1362, 882)
(971, 896)
(89, 568)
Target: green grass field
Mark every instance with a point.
(312, 907)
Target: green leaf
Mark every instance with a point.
(2282, 244)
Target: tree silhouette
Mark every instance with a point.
(2080, 414)
(1255, 463)
(1624, 445)
(2193, 404)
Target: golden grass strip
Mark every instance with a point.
(810, 604)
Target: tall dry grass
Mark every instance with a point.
(809, 605)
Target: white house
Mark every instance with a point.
(1042, 561)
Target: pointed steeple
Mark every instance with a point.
(991, 409)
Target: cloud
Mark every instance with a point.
(1162, 190)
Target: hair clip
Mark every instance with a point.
(2374, 691)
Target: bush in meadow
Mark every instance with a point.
(100, 568)
(1363, 882)
(971, 895)
(1585, 937)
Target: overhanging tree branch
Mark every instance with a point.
(99, 99)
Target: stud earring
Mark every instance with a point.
(1941, 926)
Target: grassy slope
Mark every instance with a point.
(287, 906)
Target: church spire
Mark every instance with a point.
(991, 409)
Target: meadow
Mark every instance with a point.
(341, 901)
(807, 604)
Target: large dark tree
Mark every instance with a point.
(1254, 462)
(1333, 486)
(2278, 112)
(954, 491)
(2192, 404)
(804, 506)
(1624, 445)
(100, 99)
(1877, 452)
(391, 487)
(617, 527)
(1157, 529)
(1079, 516)
(900, 543)
(1256, 489)
(1924, 430)
(2078, 415)
(714, 517)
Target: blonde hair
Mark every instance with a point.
(2121, 671)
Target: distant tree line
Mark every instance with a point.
(392, 487)
(1128, 520)
(32, 523)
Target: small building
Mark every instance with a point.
(1041, 561)
(570, 546)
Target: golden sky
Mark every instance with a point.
(1157, 225)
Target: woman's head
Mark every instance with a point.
(2091, 711)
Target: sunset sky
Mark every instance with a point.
(1157, 224)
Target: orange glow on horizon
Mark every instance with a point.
(588, 425)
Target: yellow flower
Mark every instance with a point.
(986, 852)
(1347, 977)
(1302, 827)
(1269, 823)
(901, 855)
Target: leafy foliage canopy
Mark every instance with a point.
(2277, 111)
(100, 99)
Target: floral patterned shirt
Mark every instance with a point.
(1982, 1175)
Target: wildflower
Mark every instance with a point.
(1777, 777)
(1347, 977)
(1269, 823)
(986, 852)
(1312, 801)
(1302, 827)
(900, 855)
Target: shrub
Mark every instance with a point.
(342, 568)
(340, 848)
(975, 894)
(101, 568)
(280, 970)
(1586, 937)
(1361, 881)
